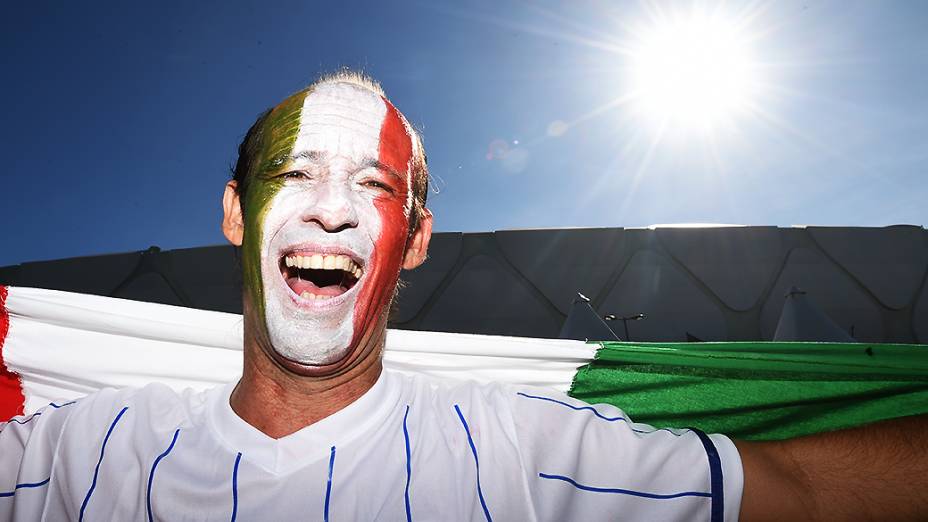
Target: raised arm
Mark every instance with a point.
(874, 472)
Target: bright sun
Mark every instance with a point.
(693, 72)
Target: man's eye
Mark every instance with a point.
(295, 175)
(372, 183)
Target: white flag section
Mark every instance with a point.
(66, 345)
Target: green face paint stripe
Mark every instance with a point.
(278, 136)
(280, 132)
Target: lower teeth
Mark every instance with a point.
(313, 297)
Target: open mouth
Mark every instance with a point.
(319, 276)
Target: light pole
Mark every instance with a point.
(625, 320)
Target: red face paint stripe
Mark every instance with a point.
(11, 388)
(395, 143)
(395, 150)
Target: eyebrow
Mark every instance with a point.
(316, 156)
(280, 159)
(311, 155)
(379, 165)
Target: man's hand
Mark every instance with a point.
(874, 472)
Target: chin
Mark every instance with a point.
(324, 353)
(311, 337)
(313, 369)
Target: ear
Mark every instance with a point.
(232, 225)
(417, 249)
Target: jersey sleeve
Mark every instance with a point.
(28, 445)
(591, 462)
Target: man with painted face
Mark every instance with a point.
(327, 203)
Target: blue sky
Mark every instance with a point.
(121, 122)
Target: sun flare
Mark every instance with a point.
(694, 71)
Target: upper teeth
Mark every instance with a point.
(325, 262)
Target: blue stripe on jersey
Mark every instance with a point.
(473, 449)
(151, 475)
(600, 415)
(238, 459)
(17, 421)
(96, 470)
(328, 485)
(715, 477)
(39, 413)
(571, 406)
(643, 494)
(408, 465)
(24, 485)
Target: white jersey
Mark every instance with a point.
(411, 448)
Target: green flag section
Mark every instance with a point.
(758, 390)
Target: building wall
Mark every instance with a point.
(711, 283)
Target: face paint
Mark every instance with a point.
(326, 221)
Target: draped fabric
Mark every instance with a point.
(63, 345)
(59, 346)
(758, 390)
(11, 394)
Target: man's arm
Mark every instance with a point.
(874, 472)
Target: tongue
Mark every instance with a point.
(301, 285)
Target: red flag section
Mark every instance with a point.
(11, 391)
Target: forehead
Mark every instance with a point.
(335, 119)
(341, 119)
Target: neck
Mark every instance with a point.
(279, 402)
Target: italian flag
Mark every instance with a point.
(60, 346)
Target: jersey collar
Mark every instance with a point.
(314, 442)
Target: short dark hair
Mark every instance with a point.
(419, 171)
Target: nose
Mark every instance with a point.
(332, 209)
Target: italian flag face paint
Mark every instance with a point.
(326, 221)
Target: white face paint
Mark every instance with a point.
(326, 206)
